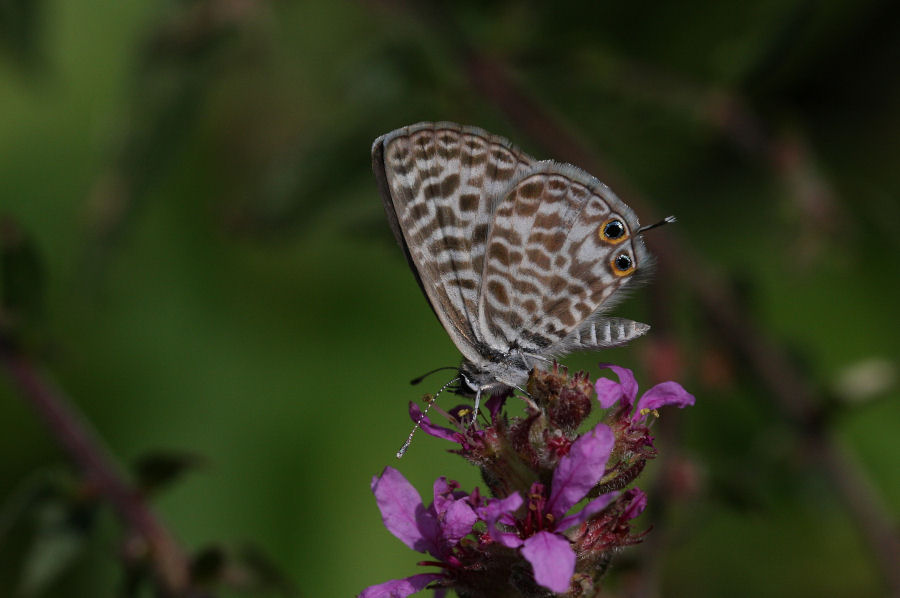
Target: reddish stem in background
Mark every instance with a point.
(74, 435)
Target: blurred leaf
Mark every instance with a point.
(207, 565)
(21, 279)
(295, 187)
(20, 31)
(24, 498)
(136, 576)
(159, 469)
(246, 569)
(179, 60)
(865, 380)
(266, 575)
(59, 517)
(61, 532)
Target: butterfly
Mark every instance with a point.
(519, 258)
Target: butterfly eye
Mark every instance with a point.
(613, 231)
(622, 264)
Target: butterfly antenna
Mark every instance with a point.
(409, 438)
(415, 381)
(666, 220)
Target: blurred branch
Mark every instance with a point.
(78, 441)
(785, 150)
(864, 502)
(177, 63)
(21, 33)
(150, 553)
(793, 392)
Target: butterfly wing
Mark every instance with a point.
(549, 272)
(440, 183)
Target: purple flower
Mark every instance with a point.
(549, 552)
(469, 438)
(624, 392)
(611, 528)
(537, 468)
(436, 529)
(578, 472)
(399, 588)
(552, 559)
(415, 414)
(545, 547)
(502, 511)
(637, 503)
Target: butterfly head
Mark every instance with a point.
(487, 379)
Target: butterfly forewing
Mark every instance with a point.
(547, 268)
(440, 184)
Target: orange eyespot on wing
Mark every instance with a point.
(613, 231)
(622, 264)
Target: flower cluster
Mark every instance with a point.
(528, 539)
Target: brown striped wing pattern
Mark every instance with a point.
(549, 270)
(440, 183)
(517, 257)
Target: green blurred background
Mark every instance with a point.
(219, 279)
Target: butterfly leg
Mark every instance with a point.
(526, 361)
(477, 404)
(533, 356)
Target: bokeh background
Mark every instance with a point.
(196, 253)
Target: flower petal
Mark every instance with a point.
(498, 509)
(609, 392)
(457, 521)
(666, 393)
(495, 403)
(443, 496)
(589, 510)
(415, 413)
(580, 470)
(400, 588)
(403, 513)
(626, 379)
(638, 503)
(552, 559)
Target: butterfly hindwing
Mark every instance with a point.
(548, 271)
